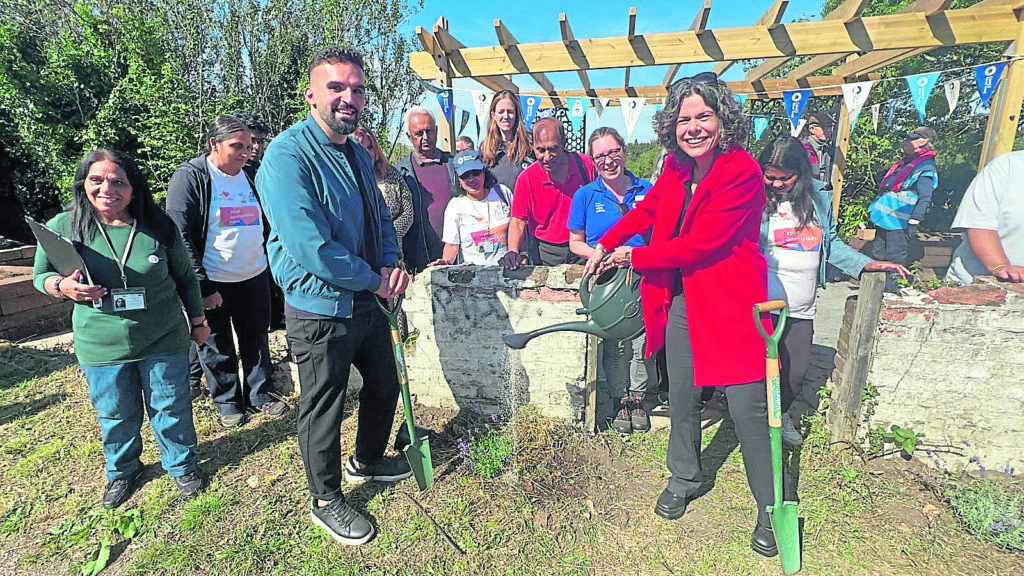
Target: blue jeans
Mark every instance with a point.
(120, 391)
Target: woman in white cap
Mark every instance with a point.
(476, 223)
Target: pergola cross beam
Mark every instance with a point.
(510, 45)
(700, 21)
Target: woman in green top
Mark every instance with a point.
(130, 335)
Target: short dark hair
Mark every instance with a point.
(253, 122)
(337, 54)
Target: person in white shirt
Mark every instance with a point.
(476, 223)
(213, 201)
(991, 216)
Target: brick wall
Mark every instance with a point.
(950, 364)
(457, 358)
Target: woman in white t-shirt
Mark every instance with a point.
(798, 237)
(476, 223)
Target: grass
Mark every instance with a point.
(572, 503)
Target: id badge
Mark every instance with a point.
(487, 247)
(127, 299)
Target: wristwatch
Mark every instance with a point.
(202, 324)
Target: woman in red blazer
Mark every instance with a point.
(702, 273)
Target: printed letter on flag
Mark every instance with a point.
(444, 98)
(631, 108)
(463, 120)
(854, 96)
(952, 94)
(530, 105)
(988, 76)
(760, 123)
(600, 105)
(795, 102)
(920, 86)
(577, 111)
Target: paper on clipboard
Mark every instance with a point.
(60, 251)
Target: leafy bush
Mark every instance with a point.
(489, 453)
(992, 511)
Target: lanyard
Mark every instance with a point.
(127, 249)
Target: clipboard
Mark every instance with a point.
(61, 253)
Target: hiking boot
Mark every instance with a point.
(119, 491)
(384, 470)
(790, 436)
(639, 419)
(231, 421)
(623, 422)
(342, 522)
(192, 484)
(274, 408)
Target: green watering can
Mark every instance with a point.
(783, 515)
(612, 302)
(417, 451)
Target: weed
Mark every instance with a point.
(78, 531)
(490, 452)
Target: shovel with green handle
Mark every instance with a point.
(418, 449)
(783, 515)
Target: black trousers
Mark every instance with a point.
(246, 308)
(795, 360)
(325, 351)
(748, 407)
(890, 245)
(555, 254)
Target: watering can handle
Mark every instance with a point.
(392, 311)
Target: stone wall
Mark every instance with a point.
(456, 357)
(950, 364)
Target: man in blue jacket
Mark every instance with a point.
(332, 247)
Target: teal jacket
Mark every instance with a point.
(834, 251)
(315, 212)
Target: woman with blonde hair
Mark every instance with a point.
(506, 147)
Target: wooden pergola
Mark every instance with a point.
(859, 45)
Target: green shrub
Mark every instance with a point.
(991, 511)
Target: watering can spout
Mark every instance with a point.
(518, 341)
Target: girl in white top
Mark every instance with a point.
(476, 223)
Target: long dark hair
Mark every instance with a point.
(788, 153)
(83, 216)
(518, 148)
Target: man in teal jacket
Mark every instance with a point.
(332, 247)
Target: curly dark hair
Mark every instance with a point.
(718, 97)
(337, 54)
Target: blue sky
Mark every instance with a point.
(472, 23)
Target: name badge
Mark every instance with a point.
(127, 299)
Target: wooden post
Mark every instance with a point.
(842, 140)
(590, 393)
(853, 358)
(445, 129)
(1006, 104)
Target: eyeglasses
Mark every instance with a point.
(613, 153)
(702, 78)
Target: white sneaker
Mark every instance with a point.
(790, 437)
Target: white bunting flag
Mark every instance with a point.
(854, 96)
(463, 120)
(482, 108)
(952, 89)
(631, 108)
(874, 117)
(600, 105)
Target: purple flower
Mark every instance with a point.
(928, 479)
(982, 472)
(929, 452)
(1008, 471)
(494, 417)
(464, 448)
(974, 460)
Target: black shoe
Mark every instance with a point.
(670, 506)
(119, 491)
(762, 541)
(623, 423)
(342, 522)
(383, 470)
(192, 484)
(231, 421)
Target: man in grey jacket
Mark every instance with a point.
(332, 248)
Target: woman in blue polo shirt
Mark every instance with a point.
(595, 208)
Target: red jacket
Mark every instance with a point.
(716, 252)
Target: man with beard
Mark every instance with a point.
(332, 247)
(430, 175)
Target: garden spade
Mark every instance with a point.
(783, 515)
(418, 449)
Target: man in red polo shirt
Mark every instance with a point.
(543, 197)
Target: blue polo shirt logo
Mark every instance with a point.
(595, 209)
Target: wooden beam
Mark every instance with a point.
(766, 88)
(512, 50)
(770, 19)
(1004, 114)
(447, 44)
(434, 52)
(700, 21)
(574, 48)
(895, 31)
(842, 139)
(630, 35)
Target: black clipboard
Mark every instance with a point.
(61, 252)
